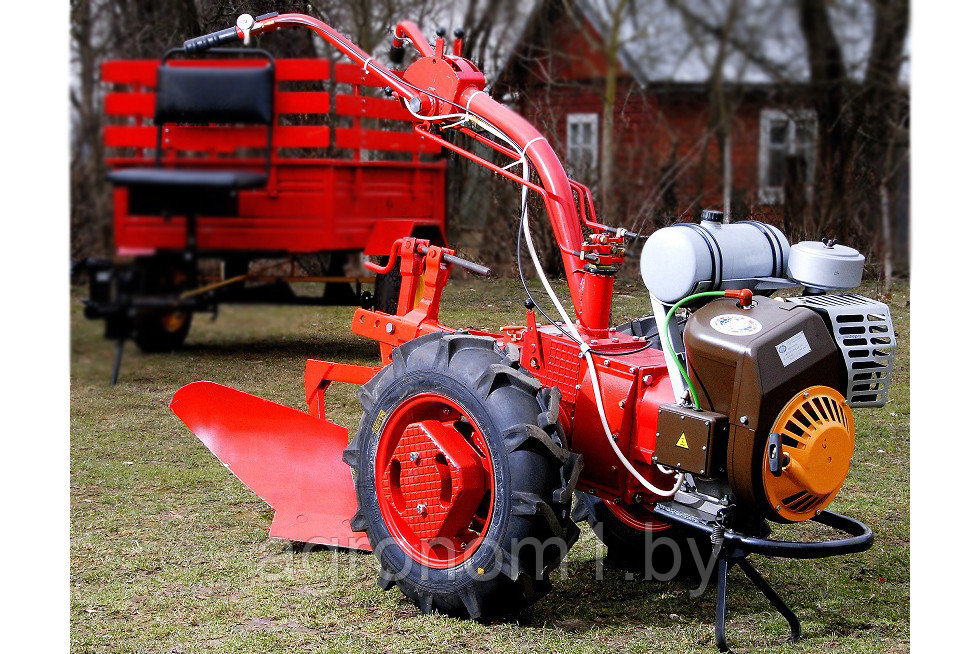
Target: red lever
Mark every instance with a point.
(743, 295)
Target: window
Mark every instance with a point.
(787, 151)
(583, 143)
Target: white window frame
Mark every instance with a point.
(592, 147)
(775, 194)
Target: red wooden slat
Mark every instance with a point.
(130, 104)
(228, 139)
(144, 71)
(131, 71)
(286, 102)
(129, 136)
(302, 102)
(302, 136)
(219, 139)
(297, 70)
(381, 140)
(366, 107)
(354, 74)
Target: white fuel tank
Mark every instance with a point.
(691, 257)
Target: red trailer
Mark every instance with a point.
(237, 175)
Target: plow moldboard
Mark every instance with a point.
(288, 458)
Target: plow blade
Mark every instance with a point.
(288, 458)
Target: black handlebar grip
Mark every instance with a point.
(221, 37)
(208, 41)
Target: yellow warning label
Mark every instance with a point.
(380, 420)
(682, 442)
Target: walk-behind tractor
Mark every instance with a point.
(724, 410)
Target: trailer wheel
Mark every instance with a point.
(161, 332)
(633, 539)
(387, 287)
(463, 483)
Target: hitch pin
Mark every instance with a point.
(245, 23)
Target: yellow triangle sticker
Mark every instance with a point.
(682, 442)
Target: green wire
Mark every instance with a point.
(670, 345)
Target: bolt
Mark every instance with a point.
(636, 338)
(704, 448)
(390, 328)
(420, 509)
(593, 342)
(414, 456)
(778, 507)
(578, 387)
(744, 420)
(632, 370)
(605, 362)
(647, 379)
(707, 424)
(622, 404)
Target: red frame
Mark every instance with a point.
(313, 202)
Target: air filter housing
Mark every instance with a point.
(827, 266)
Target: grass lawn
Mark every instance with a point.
(170, 553)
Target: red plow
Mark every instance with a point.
(721, 412)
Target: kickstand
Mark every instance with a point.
(118, 361)
(739, 558)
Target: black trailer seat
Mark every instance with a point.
(202, 94)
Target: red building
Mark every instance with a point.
(695, 117)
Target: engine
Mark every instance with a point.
(777, 379)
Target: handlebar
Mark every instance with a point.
(221, 37)
(465, 264)
(463, 92)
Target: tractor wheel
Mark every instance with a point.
(464, 486)
(631, 538)
(161, 332)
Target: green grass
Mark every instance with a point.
(169, 552)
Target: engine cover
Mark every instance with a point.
(748, 364)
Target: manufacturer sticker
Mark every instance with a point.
(793, 348)
(735, 325)
(380, 420)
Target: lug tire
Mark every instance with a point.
(533, 475)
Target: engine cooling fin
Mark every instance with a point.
(816, 437)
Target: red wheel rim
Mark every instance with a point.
(637, 517)
(434, 481)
